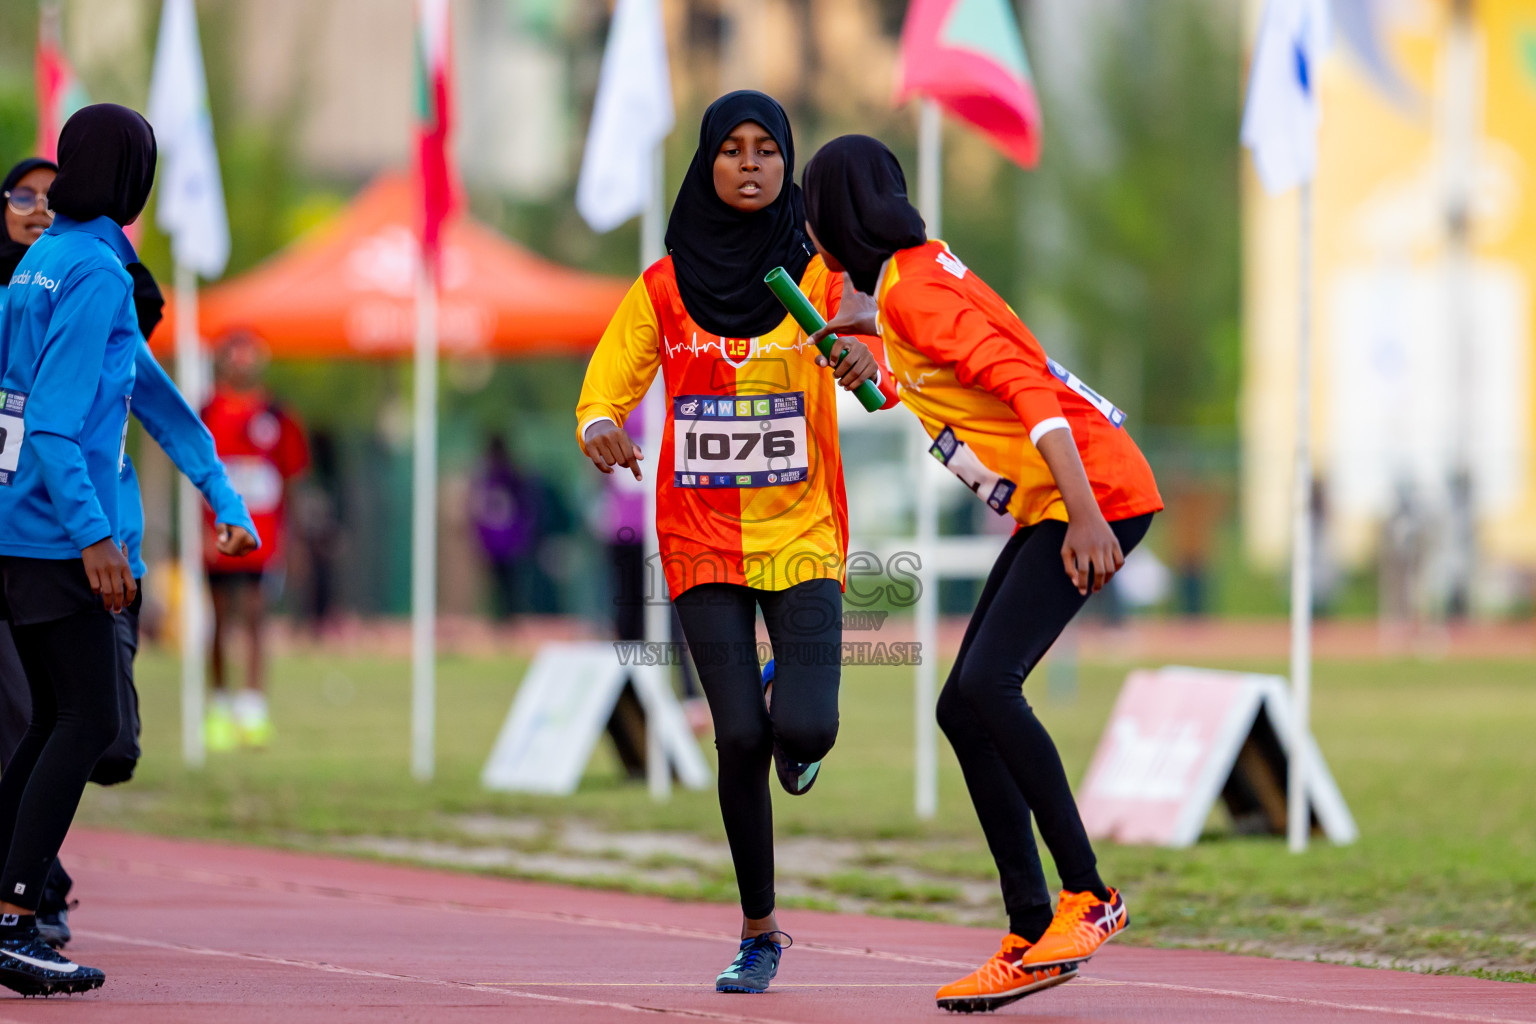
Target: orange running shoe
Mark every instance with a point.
(1001, 980)
(1082, 924)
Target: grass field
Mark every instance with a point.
(1437, 760)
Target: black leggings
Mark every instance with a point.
(805, 629)
(1011, 766)
(71, 668)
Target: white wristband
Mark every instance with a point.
(1046, 426)
(585, 426)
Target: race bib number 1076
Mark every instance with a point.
(739, 441)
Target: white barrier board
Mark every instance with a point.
(1172, 742)
(562, 709)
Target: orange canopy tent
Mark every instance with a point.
(348, 291)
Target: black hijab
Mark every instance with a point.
(721, 254)
(856, 201)
(106, 164)
(11, 251)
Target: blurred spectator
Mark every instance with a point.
(1194, 512)
(1327, 579)
(506, 517)
(264, 449)
(1404, 542)
(317, 525)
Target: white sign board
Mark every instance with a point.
(562, 709)
(1170, 748)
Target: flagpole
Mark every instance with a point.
(190, 520)
(930, 141)
(658, 611)
(1298, 810)
(424, 532)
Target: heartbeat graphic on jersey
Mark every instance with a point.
(694, 348)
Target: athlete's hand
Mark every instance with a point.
(106, 566)
(857, 314)
(855, 363)
(234, 540)
(1091, 554)
(608, 446)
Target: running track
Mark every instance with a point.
(200, 932)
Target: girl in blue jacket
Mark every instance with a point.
(68, 341)
(164, 413)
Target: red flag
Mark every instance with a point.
(434, 166)
(968, 56)
(59, 92)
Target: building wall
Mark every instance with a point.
(1388, 354)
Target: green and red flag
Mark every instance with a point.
(59, 92)
(435, 177)
(968, 56)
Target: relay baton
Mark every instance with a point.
(789, 294)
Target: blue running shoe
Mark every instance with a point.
(31, 967)
(796, 777)
(755, 965)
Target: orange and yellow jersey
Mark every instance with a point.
(986, 392)
(749, 476)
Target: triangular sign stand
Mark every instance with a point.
(562, 708)
(1179, 738)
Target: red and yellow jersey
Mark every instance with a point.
(986, 392)
(749, 476)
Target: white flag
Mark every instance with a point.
(631, 117)
(190, 207)
(1282, 115)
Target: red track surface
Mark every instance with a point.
(210, 933)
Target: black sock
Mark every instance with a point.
(14, 926)
(1031, 922)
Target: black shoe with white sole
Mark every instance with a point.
(30, 966)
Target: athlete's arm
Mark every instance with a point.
(73, 354)
(619, 375)
(941, 321)
(176, 428)
(1091, 553)
(944, 324)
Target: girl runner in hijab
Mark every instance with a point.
(69, 320)
(749, 484)
(25, 193)
(25, 217)
(1033, 442)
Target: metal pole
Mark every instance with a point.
(930, 174)
(926, 614)
(190, 518)
(658, 611)
(1298, 810)
(424, 534)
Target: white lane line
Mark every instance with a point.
(1320, 1003)
(555, 916)
(694, 984)
(357, 972)
(562, 917)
